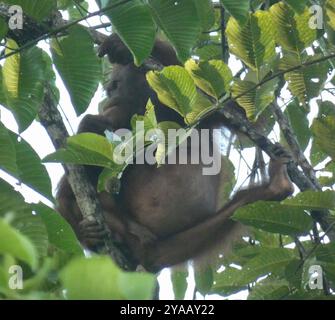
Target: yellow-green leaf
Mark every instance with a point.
(23, 83)
(292, 30)
(253, 42)
(324, 133)
(306, 82)
(330, 13)
(11, 71)
(254, 100)
(213, 77)
(175, 88)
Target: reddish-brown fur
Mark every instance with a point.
(164, 215)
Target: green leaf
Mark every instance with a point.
(317, 155)
(78, 10)
(33, 228)
(253, 42)
(329, 270)
(269, 290)
(292, 30)
(23, 83)
(175, 88)
(85, 148)
(297, 5)
(313, 200)
(60, 233)
(82, 279)
(3, 28)
(306, 82)
(274, 217)
(269, 261)
(30, 171)
(25, 164)
(149, 118)
(179, 283)
(228, 282)
(227, 181)
(330, 13)
(213, 77)
(22, 217)
(254, 100)
(10, 200)
(78, 65)
(133, 23)
(328, 180)
(323, 130)
(209, 52)
(91, 279)
(238, 9)
(180, 22)
(293, 273)
(266, 239)
(8, 152)
(63, 4)
(136, 286)
(326, 108)
(37, 9)
(203, 276)
(326, 252)
(299, 123)
(169, 144)
(92, 142)
(206, 14)
(243, 252)
(17, 245)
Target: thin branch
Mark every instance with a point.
(224, 44)
(62, 29)
(102, 26)
(293, 143)
(283, 72)
(286, 128)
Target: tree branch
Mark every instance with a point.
(62, 28)
(319, 216)
(292, 141)
(85, 193)
(224, 44)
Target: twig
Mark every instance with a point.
(102, 26)
(301, 160)
(292, 141)
(63, 28)
(224, 44)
